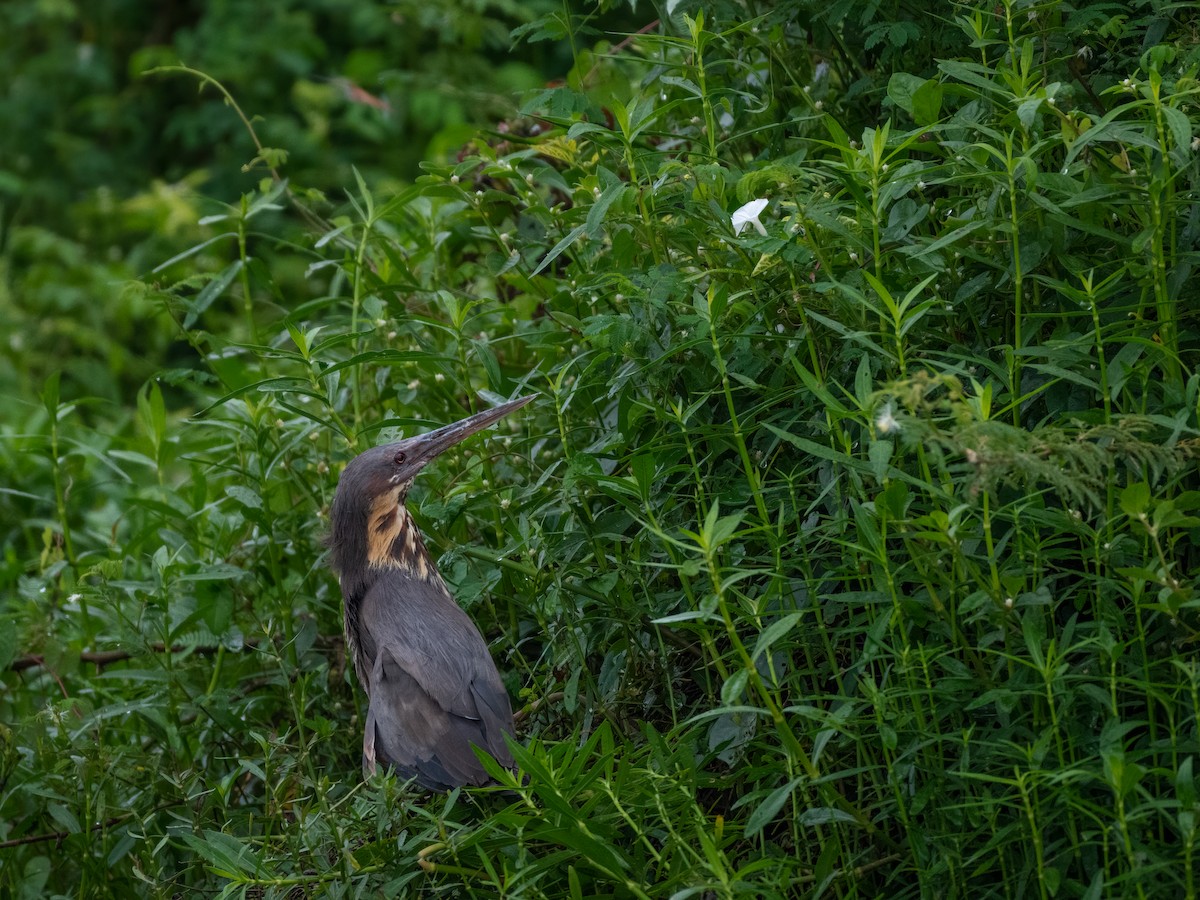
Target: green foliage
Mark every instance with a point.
(854, 557)
(109, 152)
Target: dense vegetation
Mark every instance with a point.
(849, 548)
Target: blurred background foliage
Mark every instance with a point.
(845, 553)
(105, 171)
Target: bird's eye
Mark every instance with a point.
(400, 458)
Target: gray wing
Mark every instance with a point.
(432, 686)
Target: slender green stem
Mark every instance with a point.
(244, 275)
(1028, 803)
(1018, 341)
(60, 494)
(751, 472)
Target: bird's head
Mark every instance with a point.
(368, 513)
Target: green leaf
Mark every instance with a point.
(900, 90)
(1135, 499)
(1181, 129)
(880, 454)
(225, 854)
(614, 191)
(50, 394)
(927, 102)
(688, 616)
(558, 248)
(211, 292)
(719, 531)
(824, 816)
(766, 811)
(733, 691)
(244, 496)
(774, 632)
(192, 251)
(1185, 783)
(153, 414)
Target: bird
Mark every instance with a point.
(433, 690)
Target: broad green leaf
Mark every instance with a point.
(1135, 499)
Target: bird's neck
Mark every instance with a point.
(394, 541)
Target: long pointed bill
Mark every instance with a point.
(424, 447)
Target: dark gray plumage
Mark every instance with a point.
(432, 688)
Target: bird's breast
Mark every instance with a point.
(394, 541)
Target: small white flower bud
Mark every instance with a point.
(886, 422)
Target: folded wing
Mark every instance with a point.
(433, 689)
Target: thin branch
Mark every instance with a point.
(60, 836)
(525, 712)
(102, 658)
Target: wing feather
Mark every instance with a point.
(433, 688)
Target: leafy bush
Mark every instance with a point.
(849, 551)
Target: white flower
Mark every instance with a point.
(886, 422)
(748, 215)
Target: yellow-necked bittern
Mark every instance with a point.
(433, 690)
